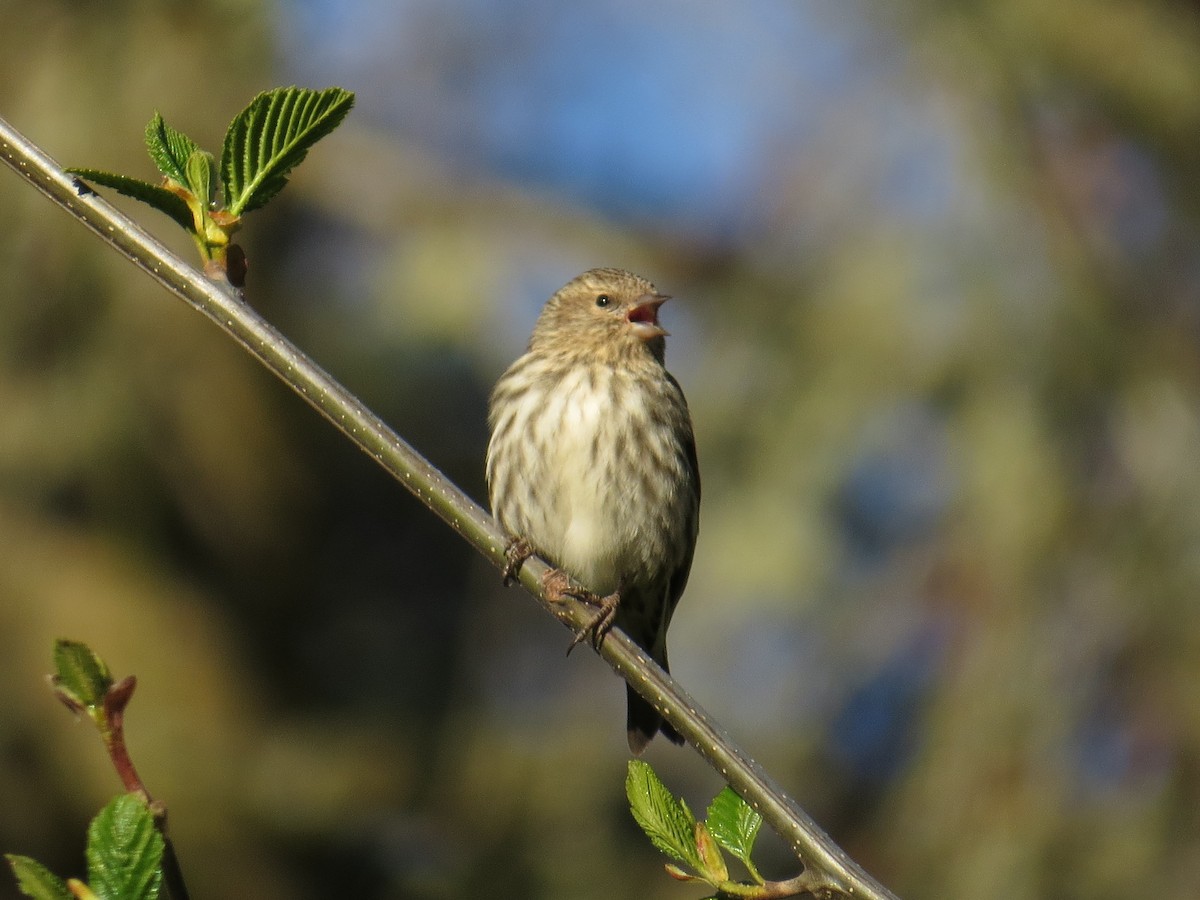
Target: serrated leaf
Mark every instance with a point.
(271, 136)
(36, 881)
(170, 149)
(80, 676)
(667, 822)
(733, 823)
(125, 851)
(159, 197)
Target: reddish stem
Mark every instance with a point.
(113, 732)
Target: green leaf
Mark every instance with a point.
(170, 149)
(271, 136)
(81, 678)
(202, 177)
(36, 881)
(159, 197)
(734, 825)
(125, 851)
(667, 822)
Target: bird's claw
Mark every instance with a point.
(558, 586)
(515, 554)
(601, 623)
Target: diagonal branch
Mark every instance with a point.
(830, 872)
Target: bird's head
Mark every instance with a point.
(605, 314)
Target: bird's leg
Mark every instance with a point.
(558, 585)
(515, 554)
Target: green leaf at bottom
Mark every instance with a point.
(734, 825)
(36, 881)
(667, 822)
(125, 851)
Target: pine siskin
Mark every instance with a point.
(592, 461)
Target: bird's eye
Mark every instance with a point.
(603, 300)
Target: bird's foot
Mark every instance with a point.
(515, 554)
(558, 587)
(602, 622)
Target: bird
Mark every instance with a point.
(592, 465)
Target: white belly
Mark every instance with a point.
(595, 516)
(588, 524)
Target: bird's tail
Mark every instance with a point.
(644, 722)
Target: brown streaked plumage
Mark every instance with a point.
(592, 461)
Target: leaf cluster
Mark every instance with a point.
(124, 859)
(262, 145)
(730, 825)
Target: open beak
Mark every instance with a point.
(643, 316)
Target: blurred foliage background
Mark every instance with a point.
(937, 317)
